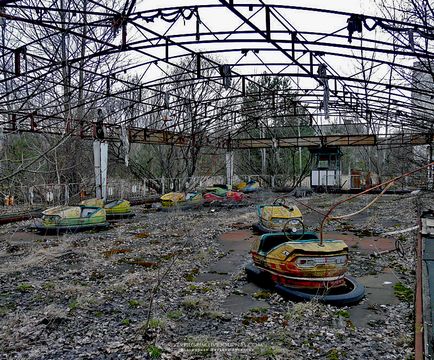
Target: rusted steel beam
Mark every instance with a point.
(113, 132)
(165, 137)
(333, 140)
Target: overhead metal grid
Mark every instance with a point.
(154, 70)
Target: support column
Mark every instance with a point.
(100, 155)
(229, 167)
(145, 189)
(31, 195)
(2, 141)
(430, 168)
(263, 152)
(299, 148)
(66, 194)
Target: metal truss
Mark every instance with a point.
(63, 60)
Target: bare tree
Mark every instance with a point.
(271, 109)
(72, 90)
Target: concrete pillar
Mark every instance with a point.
(2, 142)
(229, 167)
(100, 156)
(66, 194)
(263, 153)
(31, 195)
(145, 189)
(430, 168)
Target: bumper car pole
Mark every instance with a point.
(386, 185)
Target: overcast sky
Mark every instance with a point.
(223, 20)
(358, 6)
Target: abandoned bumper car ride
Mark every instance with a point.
(299, 267)
(278, 217)
(72, 219)
(115, 209)
(216, 195)
(181, 200)
(222, 196)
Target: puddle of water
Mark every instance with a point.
(239, 304)
(379, 293)
(211, 276)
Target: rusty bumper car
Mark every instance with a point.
(298, 267)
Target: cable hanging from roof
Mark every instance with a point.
(355, 25)
(171, 15)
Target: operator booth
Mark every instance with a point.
(326, 168)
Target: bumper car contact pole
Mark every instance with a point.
(386, 184)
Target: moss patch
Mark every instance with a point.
(403, 293)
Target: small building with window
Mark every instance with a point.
(326, 168)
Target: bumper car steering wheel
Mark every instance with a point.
(294, 227)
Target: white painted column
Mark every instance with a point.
(229, 167)
(31, 195)
(430, 169)
(66, 194)
(100, 156)
(263, 152)
(2, 142)
(145, 189)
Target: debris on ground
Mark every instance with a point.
(165, 285)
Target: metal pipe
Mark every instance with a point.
(326, 217)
